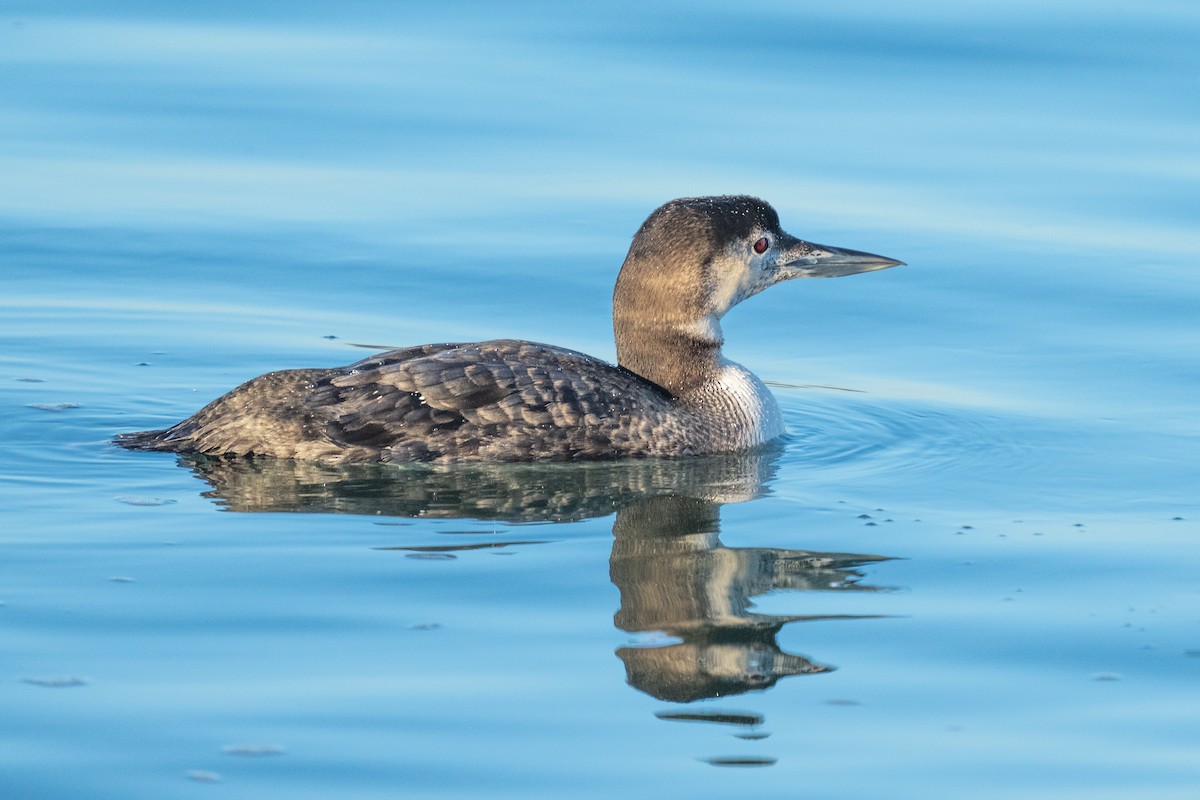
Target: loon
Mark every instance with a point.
(672, 393)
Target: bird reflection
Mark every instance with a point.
(504, 492)
(677, 581)
(675, 576)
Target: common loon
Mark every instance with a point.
(672, 393)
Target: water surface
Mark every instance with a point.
(968, 570)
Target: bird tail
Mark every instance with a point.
(163, 439)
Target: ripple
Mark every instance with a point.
(856, 438)
(203, 776)
(252, 750)
(748, 718)
(740, 761)
(137, 500)
(435, 550)
(57, 681)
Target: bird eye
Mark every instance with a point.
(761, 245)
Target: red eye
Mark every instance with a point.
(761, 245)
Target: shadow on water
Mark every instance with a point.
(690, 594)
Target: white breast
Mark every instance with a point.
(740, 408)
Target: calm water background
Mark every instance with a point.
(195, 194)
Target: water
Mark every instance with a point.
(970, 570)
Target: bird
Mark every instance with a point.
(671, 393)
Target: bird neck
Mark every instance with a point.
(677, 356)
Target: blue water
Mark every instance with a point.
(971, 569)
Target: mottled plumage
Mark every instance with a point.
(509, 400)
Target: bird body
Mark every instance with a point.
(671, 394)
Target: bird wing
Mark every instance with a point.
(465, 395)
